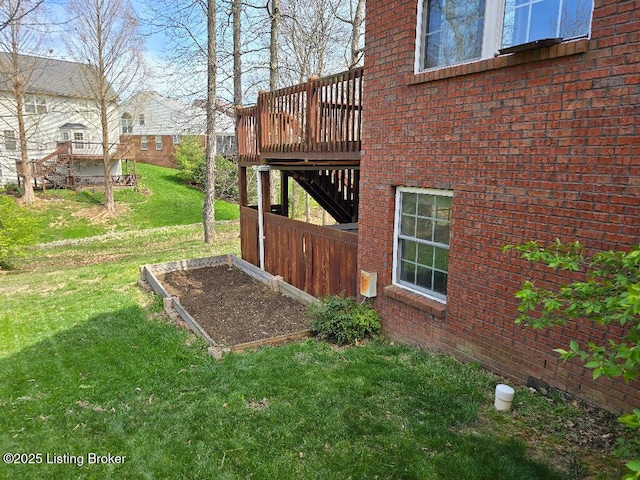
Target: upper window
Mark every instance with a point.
(10, 140)
(458, 31)
(78, 141)
(421, 240)
(127, 123)
(141, 119)
(35, 104)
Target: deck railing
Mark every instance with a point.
(319, 119)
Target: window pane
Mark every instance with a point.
(408, 226)
(424, 277)
(408, 271)
(530, 20)
(440, 282)
(575, 20)
(453, 31)
(425, 205)
(425, 255)
(443, 208)
(424, 229)
(441, 258)
(441, 233)
(409, 203)
(544, 20)
(409, 250)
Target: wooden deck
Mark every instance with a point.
(317, 122)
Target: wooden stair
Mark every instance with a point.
(335, 190)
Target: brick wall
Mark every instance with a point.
(539, 145)
(162, 158)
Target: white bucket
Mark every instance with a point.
(504, 397)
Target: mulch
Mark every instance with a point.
(233, 307)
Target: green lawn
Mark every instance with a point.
(161, 200)
(91, 365)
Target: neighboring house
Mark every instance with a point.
(152, 125)
(484, 124)
(64, 136)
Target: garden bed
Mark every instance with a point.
(229, 302)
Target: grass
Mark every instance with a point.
(161, 200)
(90, 364)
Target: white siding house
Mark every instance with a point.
(59, 107)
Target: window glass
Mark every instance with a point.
(422, 240)
(458, 31)
(530, 20)
(127, 123)
(453, 31)
(10, 140)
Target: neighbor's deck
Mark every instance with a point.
(317, 122)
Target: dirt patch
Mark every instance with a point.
(233, 307)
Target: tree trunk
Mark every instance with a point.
(273, 45)
(358, 20)
(208, 215)
(28, 195)
(237, 53)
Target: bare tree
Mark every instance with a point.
(236, 10)
(16, 37)
(15, 11)
(356, 20)
(105, 33)
(210, 173)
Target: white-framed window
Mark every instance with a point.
(421, 240)
(127, 123)
(158, 142)
(78, 141)
(144, 142)
(141, 119)
(176, 139)
(35, 104)
(10, 140)
(457, 31)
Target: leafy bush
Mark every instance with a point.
(17, 230)
(190, 158)
(191, 161)
(610, 295)
(342, 320)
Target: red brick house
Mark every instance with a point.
(486, 124)
(152, 126)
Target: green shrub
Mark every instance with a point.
(17, 230)
(190, 158)
(342, 320)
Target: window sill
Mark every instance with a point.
(415, 300)
(544, 53)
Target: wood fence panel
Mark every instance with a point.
(249, 235)
(318, 260)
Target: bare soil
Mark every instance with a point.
(233, 307)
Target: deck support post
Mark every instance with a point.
(284, 193)
(264, 203)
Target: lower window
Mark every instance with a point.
(421, 240)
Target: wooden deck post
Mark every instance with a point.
(284, 193)
(242, 186)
